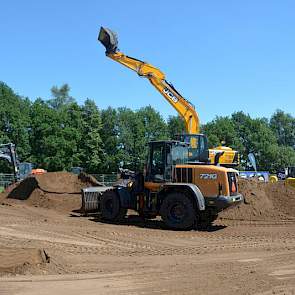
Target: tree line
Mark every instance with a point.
(58, 133)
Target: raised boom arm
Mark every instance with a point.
(198, 142)
(157, 78)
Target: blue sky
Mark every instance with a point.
(224, 56)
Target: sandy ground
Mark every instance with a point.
(91, 257)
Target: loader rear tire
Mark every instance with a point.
(111, 208)
(178, 211)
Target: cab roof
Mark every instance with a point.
(168, 141)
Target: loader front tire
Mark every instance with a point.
(178, 212)
(111, 208)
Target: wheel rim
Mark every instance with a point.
(177, 212)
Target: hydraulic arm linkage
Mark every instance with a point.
(157, 79)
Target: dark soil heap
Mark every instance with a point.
(53, 190)
(263, 201)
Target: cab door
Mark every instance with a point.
(159, 166)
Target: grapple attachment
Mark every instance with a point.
(108, 39)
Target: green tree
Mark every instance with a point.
(153, 125)
(285, 156)
(14, 120)
(55, 135)
(222, 130)
(109, 136)
(175, 125)
(58, 133)
(256, 137)
(283, 126)
(91, 147)
(135, 130)
(131, 139)
(60, 97)
(71, 117)
(46, 137)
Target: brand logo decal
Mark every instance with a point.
(170, 95)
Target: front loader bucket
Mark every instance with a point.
(108, 39)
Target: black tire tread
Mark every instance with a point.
(119, 212)
(191, 217)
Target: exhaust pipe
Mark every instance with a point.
(108, 39)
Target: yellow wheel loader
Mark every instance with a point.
(185, 195)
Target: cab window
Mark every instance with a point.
(158, 163)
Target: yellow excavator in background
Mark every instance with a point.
(224, 156)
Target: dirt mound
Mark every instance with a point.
(61, 182)
(263, 201)
(21, 261)
(282, 197)
(23, 189)
(61, 191)
(54, 190)
(87, 178)
(58, 202)
(52, 182)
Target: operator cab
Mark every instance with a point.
(162, 156)
(198, 147)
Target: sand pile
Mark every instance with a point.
(282, 197)
(52, 182)
(59, 202)
(53, 190)
(21, 261)
(263, 201)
